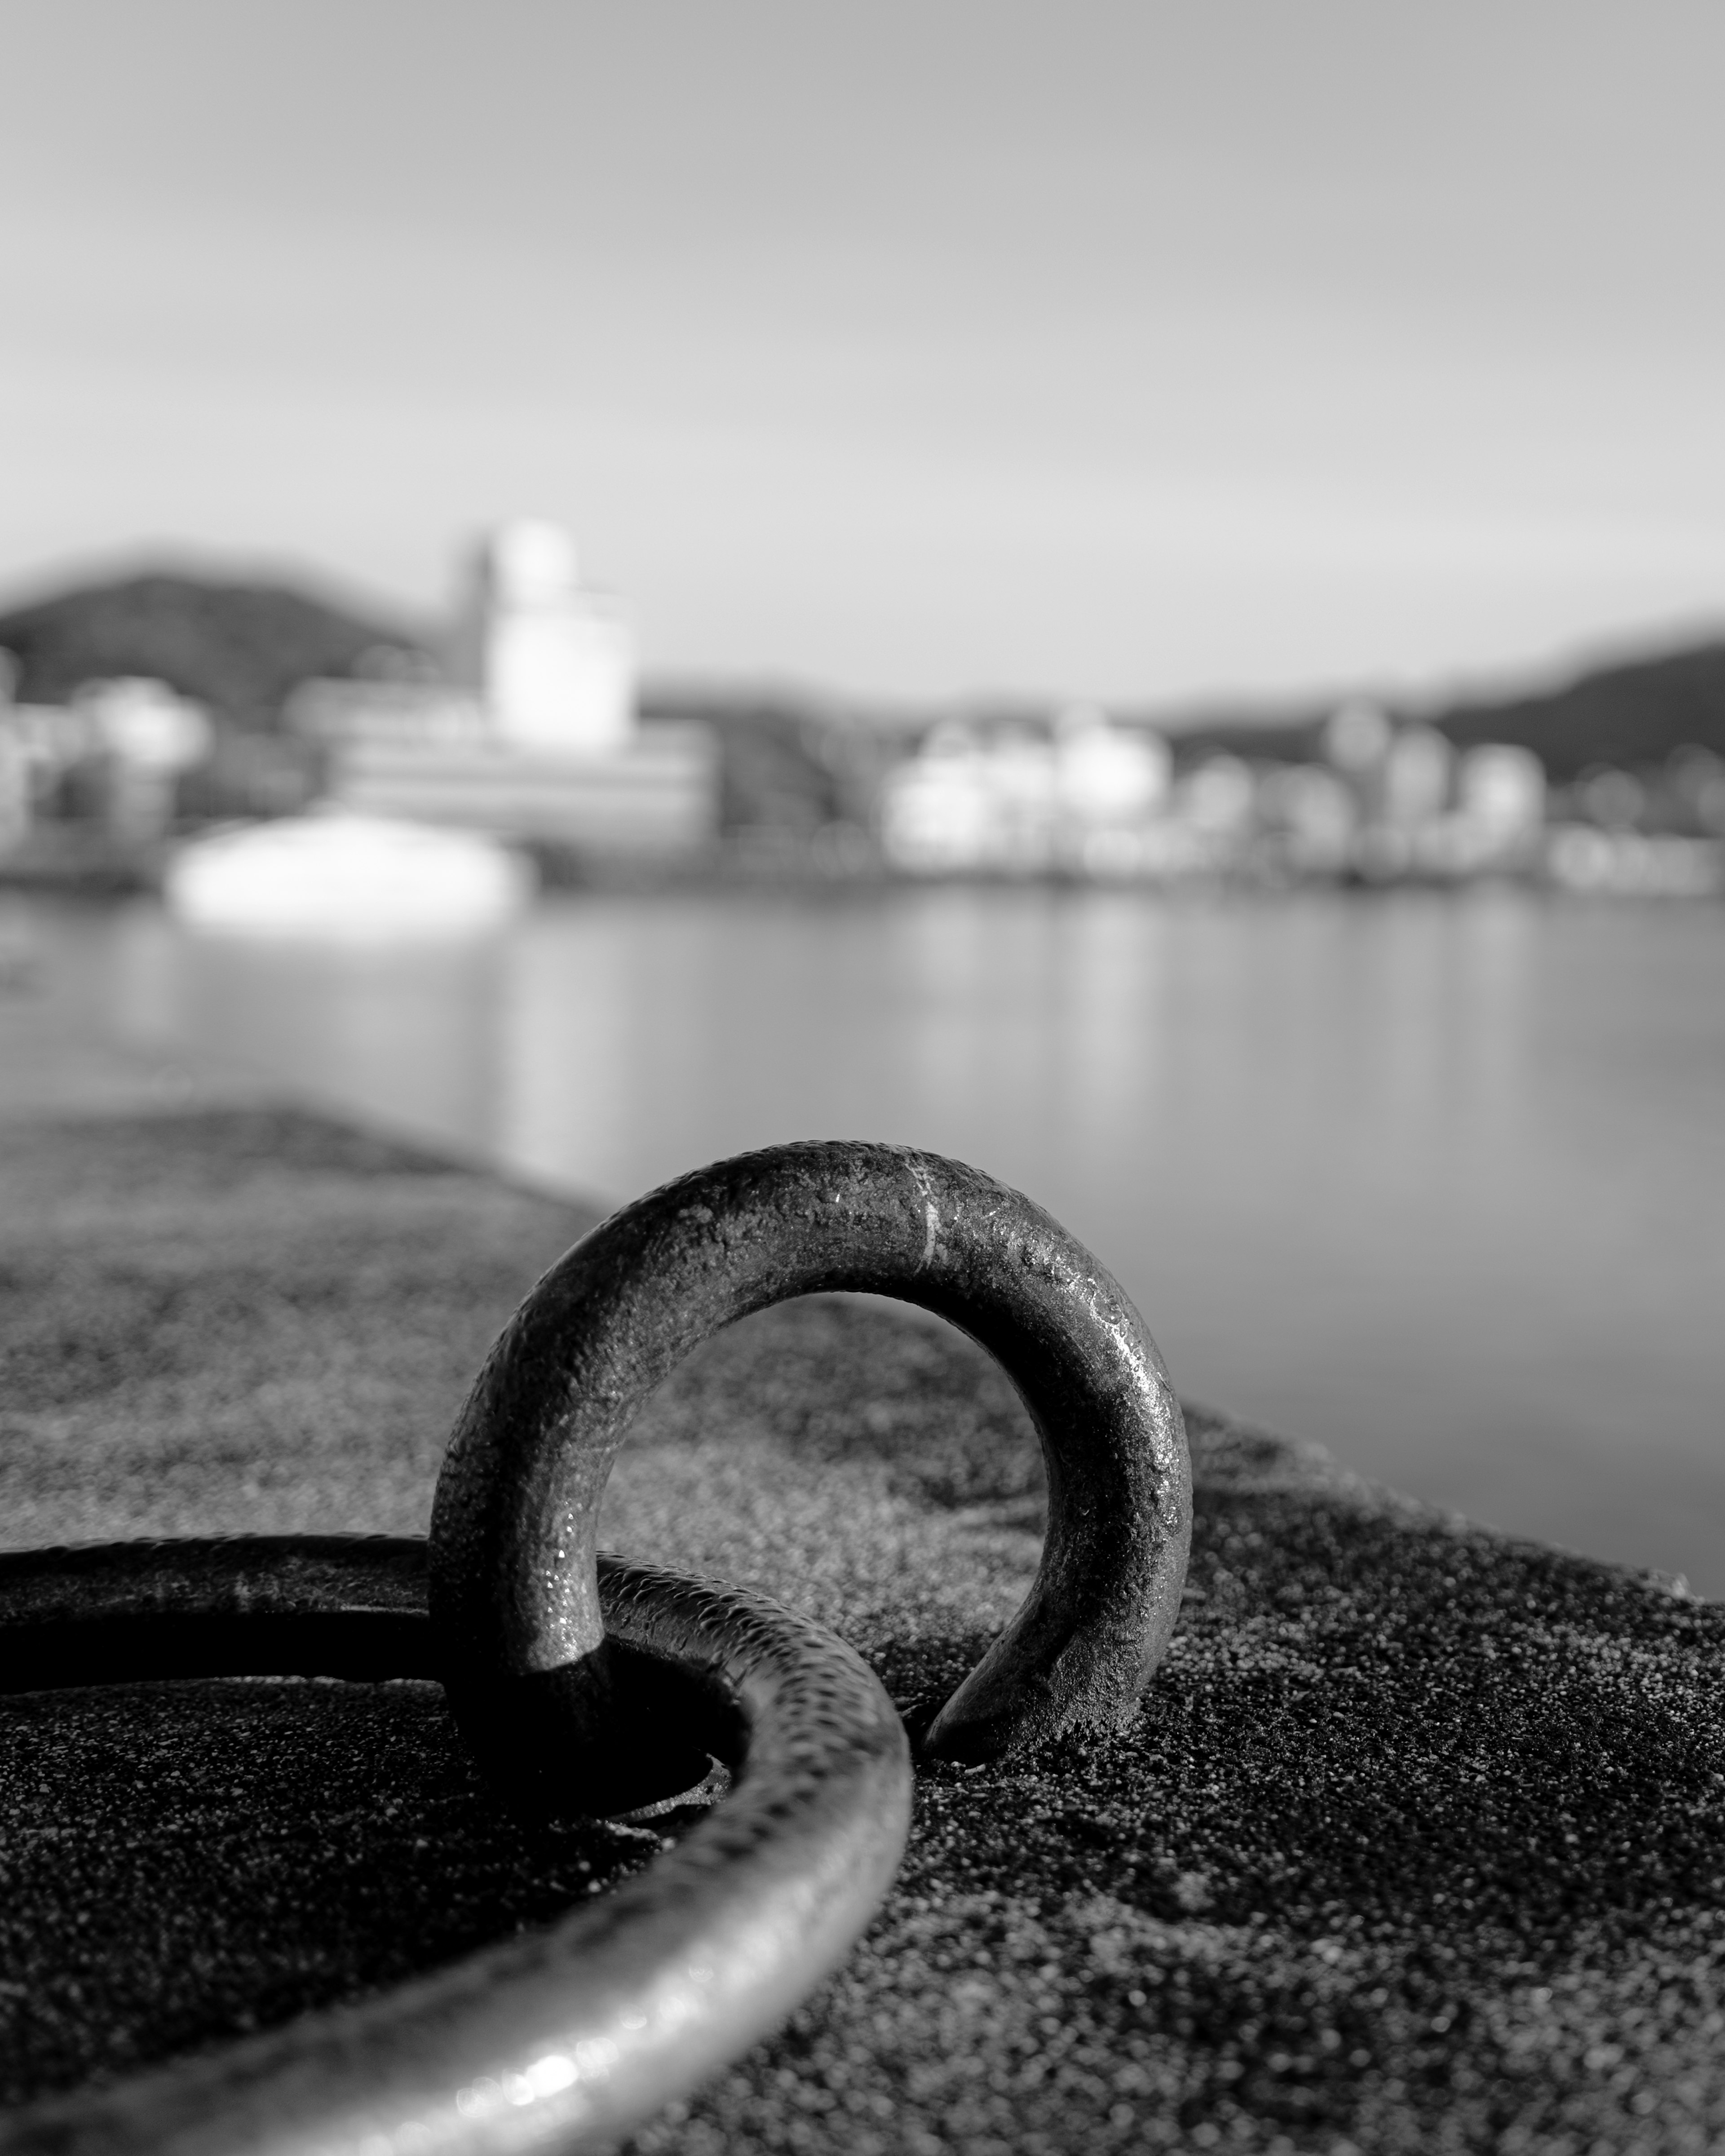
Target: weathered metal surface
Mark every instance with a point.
(513, 1590)
(559, 2037)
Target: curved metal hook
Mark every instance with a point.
(513, 1590)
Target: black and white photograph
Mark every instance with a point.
(862, 1078)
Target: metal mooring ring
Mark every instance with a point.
(558, 2037)
(513, 1582)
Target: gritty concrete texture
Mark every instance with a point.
(1418, 1843)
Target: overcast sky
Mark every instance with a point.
(1129, 350)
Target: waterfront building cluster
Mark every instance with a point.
(522, 724)
(1086, 797)
(112, 758)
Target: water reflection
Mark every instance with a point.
(410, 1033)
(1432, 1179)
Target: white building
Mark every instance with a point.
(1020, 800)
(551, 662)
(1417, 772)
(1107, 775)
(149, 735)
(1501, 788)
(939, 815)
(1356, 737)
(534, 734)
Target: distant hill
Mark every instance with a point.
(1294, 739)
(1632, 714)
(238, 647)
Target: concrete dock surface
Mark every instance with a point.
(1417, 1844)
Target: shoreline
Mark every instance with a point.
(1580, 862)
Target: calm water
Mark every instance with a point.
(1437, 1181)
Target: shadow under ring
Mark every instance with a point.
(555, 2038)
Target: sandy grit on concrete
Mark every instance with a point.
(1418, 1842)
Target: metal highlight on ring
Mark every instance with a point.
(513, 1581)
(558, 2037)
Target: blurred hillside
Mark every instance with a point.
(237, 648)
(1632, 714)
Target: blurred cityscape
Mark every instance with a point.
(136, 716)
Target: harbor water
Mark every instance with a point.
(1436, 1180)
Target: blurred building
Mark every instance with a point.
(1414, 776)
(1629, 863)
(15, 788)
(113, 759)
(1024, 799)
(530, 729)
(1218, 797)
(1500, 791)
(551, 662)
(147, 735)
(1422, 813)
(1697, 780)
(1356, 737)
(1311, 815)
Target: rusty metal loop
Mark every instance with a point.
(513, 1582)
(563, 2036)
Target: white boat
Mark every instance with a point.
(355, 878)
